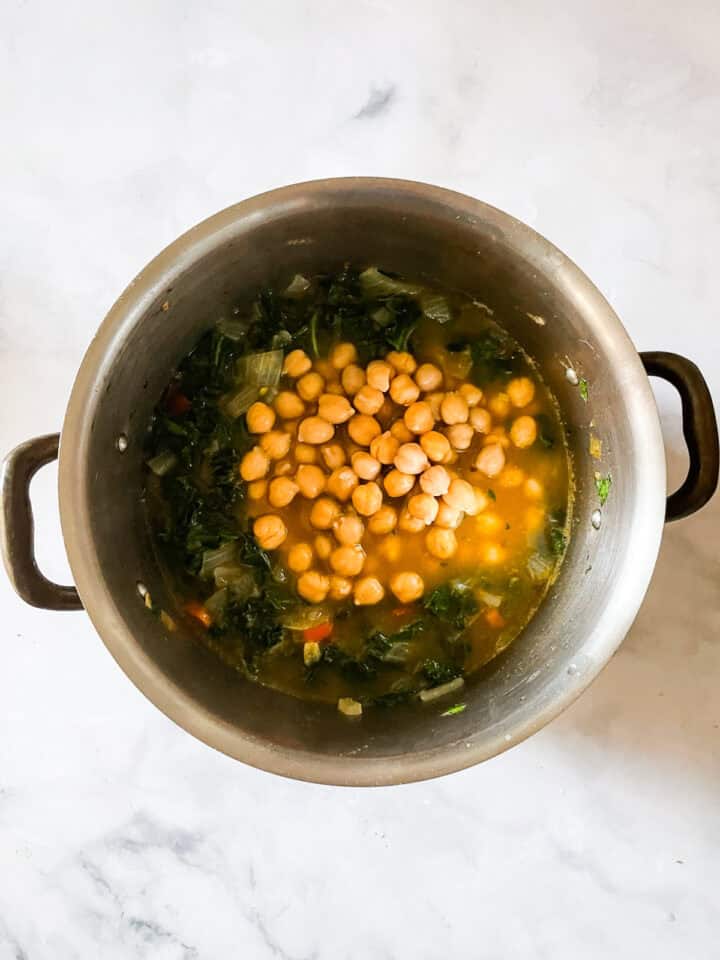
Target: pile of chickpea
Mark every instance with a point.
(401, 428)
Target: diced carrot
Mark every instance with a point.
(177, 403)
(198, 611)
(315, 634)
(495, 618)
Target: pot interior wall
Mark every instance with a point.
(533, 296)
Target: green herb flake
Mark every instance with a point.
(602, 485)
(491, 494)
(583, 388)
(452, 711)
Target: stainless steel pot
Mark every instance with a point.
(545, 301)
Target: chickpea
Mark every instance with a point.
(460, 495)
(454, 409)
(367, 499)
(500, 405)
(257, 489)
(460, 436)
(282, 468)
(410, 524)
(348, 560)
(260, 418)
(411, 458)
(369, 400)
(348, 529)
(449, 517)
(275, 444)
(333, 456)
(324, 368)
(401, 432)
(533, 489)
(490, 460)
(270, 531)
(492, 554)
(481, 500)
(407, 586)
(428, 377)
(418, 417)
(254, 465)
(289, 405)
(435, 445)
(397, 483)
(313, 586)
(300, 557)
(310, 479)
(323, 546)
(404, 390)
(282, 491)
(340, 587)
(305, 453)
(324, 513)
(512, 476)
(368, 591)
(335, 388)
(435, 401)
(334, 409)
(521, 391)
(390, 548)
(365, 466)
(441, 542)
(488, 524)
(523, 432)
(352, 379)
(403, 362)
(384, 447)
(471, 394)
(480, 420)
(297, 362)
(423, 506)
(310, 386)
(315, 430)
(341, 483)
(363, 429)
(435, 481)
(379, 375)
(384, 521)
(342, 355)
(497, 435)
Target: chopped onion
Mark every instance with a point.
(382, 316)
(215, 605)
(232, 329)
(435, 307)
(162, 463)
(539, 567)
(376, 284)
(240, 402)
(298, 286)
(216, 558)
(489, 599)
(281, 339)
(397, 653)
(427, 696)
(261, 369)
(240, 580)
(303, 617)
(167, 621)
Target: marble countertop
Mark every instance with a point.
(123, 124)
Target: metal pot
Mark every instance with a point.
(542, 298)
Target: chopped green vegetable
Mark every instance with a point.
(602, 485)
(376, 285)
(439, 673)
(453, 602)
(583, 388)
(452, 711)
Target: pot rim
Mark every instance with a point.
(604, 637)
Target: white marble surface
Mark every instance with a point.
(123, 124)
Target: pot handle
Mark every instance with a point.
(699, 428)
(17, 527)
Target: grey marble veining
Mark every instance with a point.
(123, 124)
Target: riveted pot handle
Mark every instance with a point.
(699, 428)
(17, 527)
